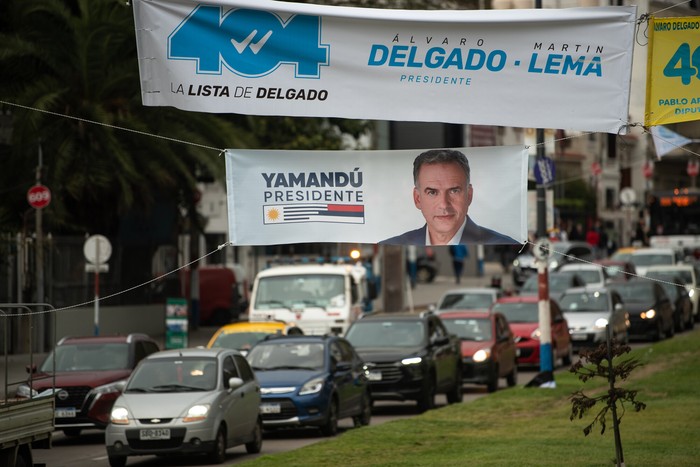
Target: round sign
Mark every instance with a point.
(97, 249)
(542, 249)
(596, 169)
(39, 196)
(648, 169)
(627, 196)
(693, 168)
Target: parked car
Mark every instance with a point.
(410, 356)
(558, 281)
(675, 289)
(468, 298)
(562, 252)
(618, 270)
(186, 401)
(642, 258)
(311, 381)
(243, 335)
(488, 347)
(590, 312)
(593, 275)
(650, 310)
(90, 372)
(690, 276)
(522, 312)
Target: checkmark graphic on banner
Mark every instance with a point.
(255, 47)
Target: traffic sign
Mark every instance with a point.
(627, 196)
(544, 170)
(97, 249)
(648, 169)
(596, 169)
(39, 196)
(693, 168)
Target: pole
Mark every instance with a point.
(546, 360)
(97, 287)
(611, 380)
(39, 261)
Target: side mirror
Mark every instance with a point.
(442, 340)
(235, 382)
(619, 307)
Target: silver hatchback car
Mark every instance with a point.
(186, 401)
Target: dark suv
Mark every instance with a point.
(410, 356)
(89, 376)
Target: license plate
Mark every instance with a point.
(154, 433)
(578, 337)
(270, 408)
(374, 376)
(65, 412)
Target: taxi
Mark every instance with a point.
(243, 335)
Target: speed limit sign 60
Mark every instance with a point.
(39, 196)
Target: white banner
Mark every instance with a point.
(277, 197)
(536, 68)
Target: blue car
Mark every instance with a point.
(310, 381)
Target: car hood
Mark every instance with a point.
(469, 348)
(91, 379)
(585, 318)
(272, 378)
(523, 329)
(163, 405)
(636, 307)
(387, 354)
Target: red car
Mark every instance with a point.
(488, 347)
(522, 313)
(89, 374)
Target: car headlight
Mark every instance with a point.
(553, 264)
(691, 293)
(119, 416)
(536, 334)
(312, 386)
(25, 392)
(482, 355)
(600, 323)
(411, 361)
(516, 263)
(117, 386)
(649, 314)
(196, 413)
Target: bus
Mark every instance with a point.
(674, 219)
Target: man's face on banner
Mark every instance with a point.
(443, 196)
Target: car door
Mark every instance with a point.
(251, 394)
(443, 353)
(619, 314)
(560, 330)
(505, 345)
(344, 378)
(240, 405)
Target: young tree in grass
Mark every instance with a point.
(599, 362)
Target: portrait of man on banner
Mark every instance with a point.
(443, 192)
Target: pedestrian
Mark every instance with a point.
(459, 254)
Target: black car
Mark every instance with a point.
(650, 310)
(682, 305)
(310, 381)
(410, 356)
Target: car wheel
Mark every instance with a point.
(218, 453)
(254, 446)
(512, 378)
(72, 432)
(671, 330)
(492, 384)
(568, 358)
(455, 395)
(365, 415)
(330, 428)
(426, 399)
(691, 321)
(117, 461)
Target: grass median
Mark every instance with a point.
(531, 426)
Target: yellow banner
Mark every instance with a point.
(673, 71)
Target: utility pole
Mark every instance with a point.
(40, 262)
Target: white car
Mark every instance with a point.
(590, 311)
(186, 401)
(690, 278)
(645, 257)
(468, 298)
(594, 275)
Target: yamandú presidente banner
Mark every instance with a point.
(535, 68)
(673, 71)
(465, 195)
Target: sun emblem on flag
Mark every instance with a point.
(273, 214)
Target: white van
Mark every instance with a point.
(318, 298)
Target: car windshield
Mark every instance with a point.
(178, 374)
(590, 276)
(386, 333)
(239, 340)
(466, 301)
(88, 357)
(651, 259)
(317, 290)
(287, 356)
(584, 301)
(558, 282)
(637, 292)
(469, 329)
(519, 312)
(668, 282)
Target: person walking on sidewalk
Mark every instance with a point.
(459, 254)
